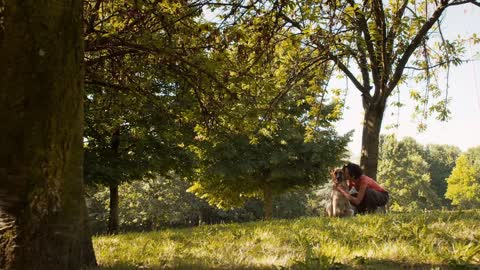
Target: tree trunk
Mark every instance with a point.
(113, 215)
(267, 202)
(42, 208)
(113, 206)
(88, 253)
(371, 138)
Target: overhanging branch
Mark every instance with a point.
(363, 28)
(457, 3)
(365, 92)
(412, 47)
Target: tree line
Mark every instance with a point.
(427, 177)
(418, 177)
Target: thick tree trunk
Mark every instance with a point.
(371, 138)
(88, 253)
(113, 214)
(267, 202)
(42, 209)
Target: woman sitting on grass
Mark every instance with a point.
(370, 194)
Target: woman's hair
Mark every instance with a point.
(354, 170)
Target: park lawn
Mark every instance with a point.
(424, 240)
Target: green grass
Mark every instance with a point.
(433, 240)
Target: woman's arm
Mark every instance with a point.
(355, 200)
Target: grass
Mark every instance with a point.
(431, 240)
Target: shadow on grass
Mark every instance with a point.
(365, 265)
(372, 264)
(182, 267)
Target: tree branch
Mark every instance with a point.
(413, 46)
(363, 28)
(289, 86)
(433, 66)
(102, 58)
(292, 22)
(392, 33)
(362, 61)
(365, 92)
(380, 21)
(457, 3)
(107, 84)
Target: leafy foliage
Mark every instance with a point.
(135, 85)
(147, 205)
(152, 135)
(243, 87)
(405, 174)
(380, 41)
(276, 133)
(163, 202)
(238, 168)
(464, 182)
(441, 159)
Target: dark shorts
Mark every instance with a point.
(372, 200)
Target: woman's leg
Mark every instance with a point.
(372, 200)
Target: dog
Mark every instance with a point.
(338, 205)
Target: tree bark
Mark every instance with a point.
(267, 202)
(42, 208)
(88, 258)
(113, 214)
(112, 227)
(371, 138)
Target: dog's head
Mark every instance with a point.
(339, 176)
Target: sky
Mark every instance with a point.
(463, 127)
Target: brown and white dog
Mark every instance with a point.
(338, 205)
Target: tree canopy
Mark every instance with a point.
(237, 168)
(441, 159)
(376, 45)
(464, 182)
(406, 175)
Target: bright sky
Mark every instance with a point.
(463, 128)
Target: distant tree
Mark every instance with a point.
(147, 204)
(238, 168)
(275, 131)
(319, 199)
(132, 137)
(441, 159)
(405, 174)
(464, 182)
(162, 202)
(141, 67)
(473, 155)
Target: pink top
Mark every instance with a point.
(365, 180)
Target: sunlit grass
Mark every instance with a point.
(436, 239)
